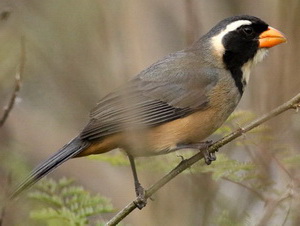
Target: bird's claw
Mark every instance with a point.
(141, 200)
(209, 157)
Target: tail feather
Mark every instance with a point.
(73, 148)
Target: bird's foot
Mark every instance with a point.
(141, 200)
(209, 157)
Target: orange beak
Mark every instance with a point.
(270, 38)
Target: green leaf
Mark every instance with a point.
(63, 203)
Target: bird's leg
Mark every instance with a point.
(139, 190)
(208, 156)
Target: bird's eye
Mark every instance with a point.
(248, 30)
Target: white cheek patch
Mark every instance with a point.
(260, 55)
(216, 42)
(246, 68)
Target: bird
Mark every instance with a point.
(175, 103)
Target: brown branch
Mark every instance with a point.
(18, 77)
(183, 165)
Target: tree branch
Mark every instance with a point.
(293, 103)
(17, 87)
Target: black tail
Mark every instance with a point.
(73, 148)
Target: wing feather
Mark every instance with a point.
(159, 94)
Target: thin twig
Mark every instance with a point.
(283, 168)
(247, 187)
(18, 77)
(213, 148)
(288, 212)
(271, 207)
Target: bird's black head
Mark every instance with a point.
(237, 42)
(236, 39)
(240, 39)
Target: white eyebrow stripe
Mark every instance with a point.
(216, 41)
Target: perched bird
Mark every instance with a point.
(175, 103)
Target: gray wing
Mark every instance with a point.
(161, 93)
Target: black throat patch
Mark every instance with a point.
(237, 75)
(234, 61)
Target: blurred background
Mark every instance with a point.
(78, 51)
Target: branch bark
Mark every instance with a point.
(18, 77)
(293, 103)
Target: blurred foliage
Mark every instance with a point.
(224, 219)
(232, 169)
(62, 203)
(292, 161)
(114, 158)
